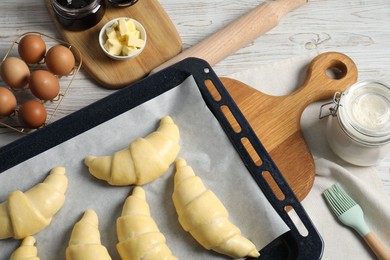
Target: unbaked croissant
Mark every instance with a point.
(84, 243)
(26, 251)
(138, 235)
(203, 215)
(24, 214)
(143, 161)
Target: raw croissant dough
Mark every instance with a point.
(143, 161)
(26, 251)
(203, 215)
(138, 235)
(24, 214)
(84, 243)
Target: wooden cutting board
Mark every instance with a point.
(276, 119)
(163, 43)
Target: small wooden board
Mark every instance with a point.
(163, 43)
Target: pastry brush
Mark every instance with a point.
(351, 214)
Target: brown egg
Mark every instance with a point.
(7, 102)
(32, 114)
(14, 72)
(44, 84)
(60, 60)
(32, 48)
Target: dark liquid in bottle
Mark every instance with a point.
(79, 14)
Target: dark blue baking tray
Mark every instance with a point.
(290, 245)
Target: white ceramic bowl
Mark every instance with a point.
(103, 38)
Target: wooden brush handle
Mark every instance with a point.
(238, 33)
(377, 247)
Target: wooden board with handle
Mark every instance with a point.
(276, 119)
(163, 43)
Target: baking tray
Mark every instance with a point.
(294, 244)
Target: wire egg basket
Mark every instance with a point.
(12, 122)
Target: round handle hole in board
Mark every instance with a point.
(337, 70)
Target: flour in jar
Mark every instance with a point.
(371, 111)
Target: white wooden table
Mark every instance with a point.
(360, 29)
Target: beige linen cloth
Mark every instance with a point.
(361, 183)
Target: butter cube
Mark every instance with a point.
(135, 42)
(128, 50)
(114, 24)
(111, 33)
(130, 25)
(113, 46)
(135, 34)
(123, 28)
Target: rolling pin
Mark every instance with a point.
(238, 33)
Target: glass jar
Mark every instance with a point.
(78, 14)
(359, 129)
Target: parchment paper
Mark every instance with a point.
(203, 144)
